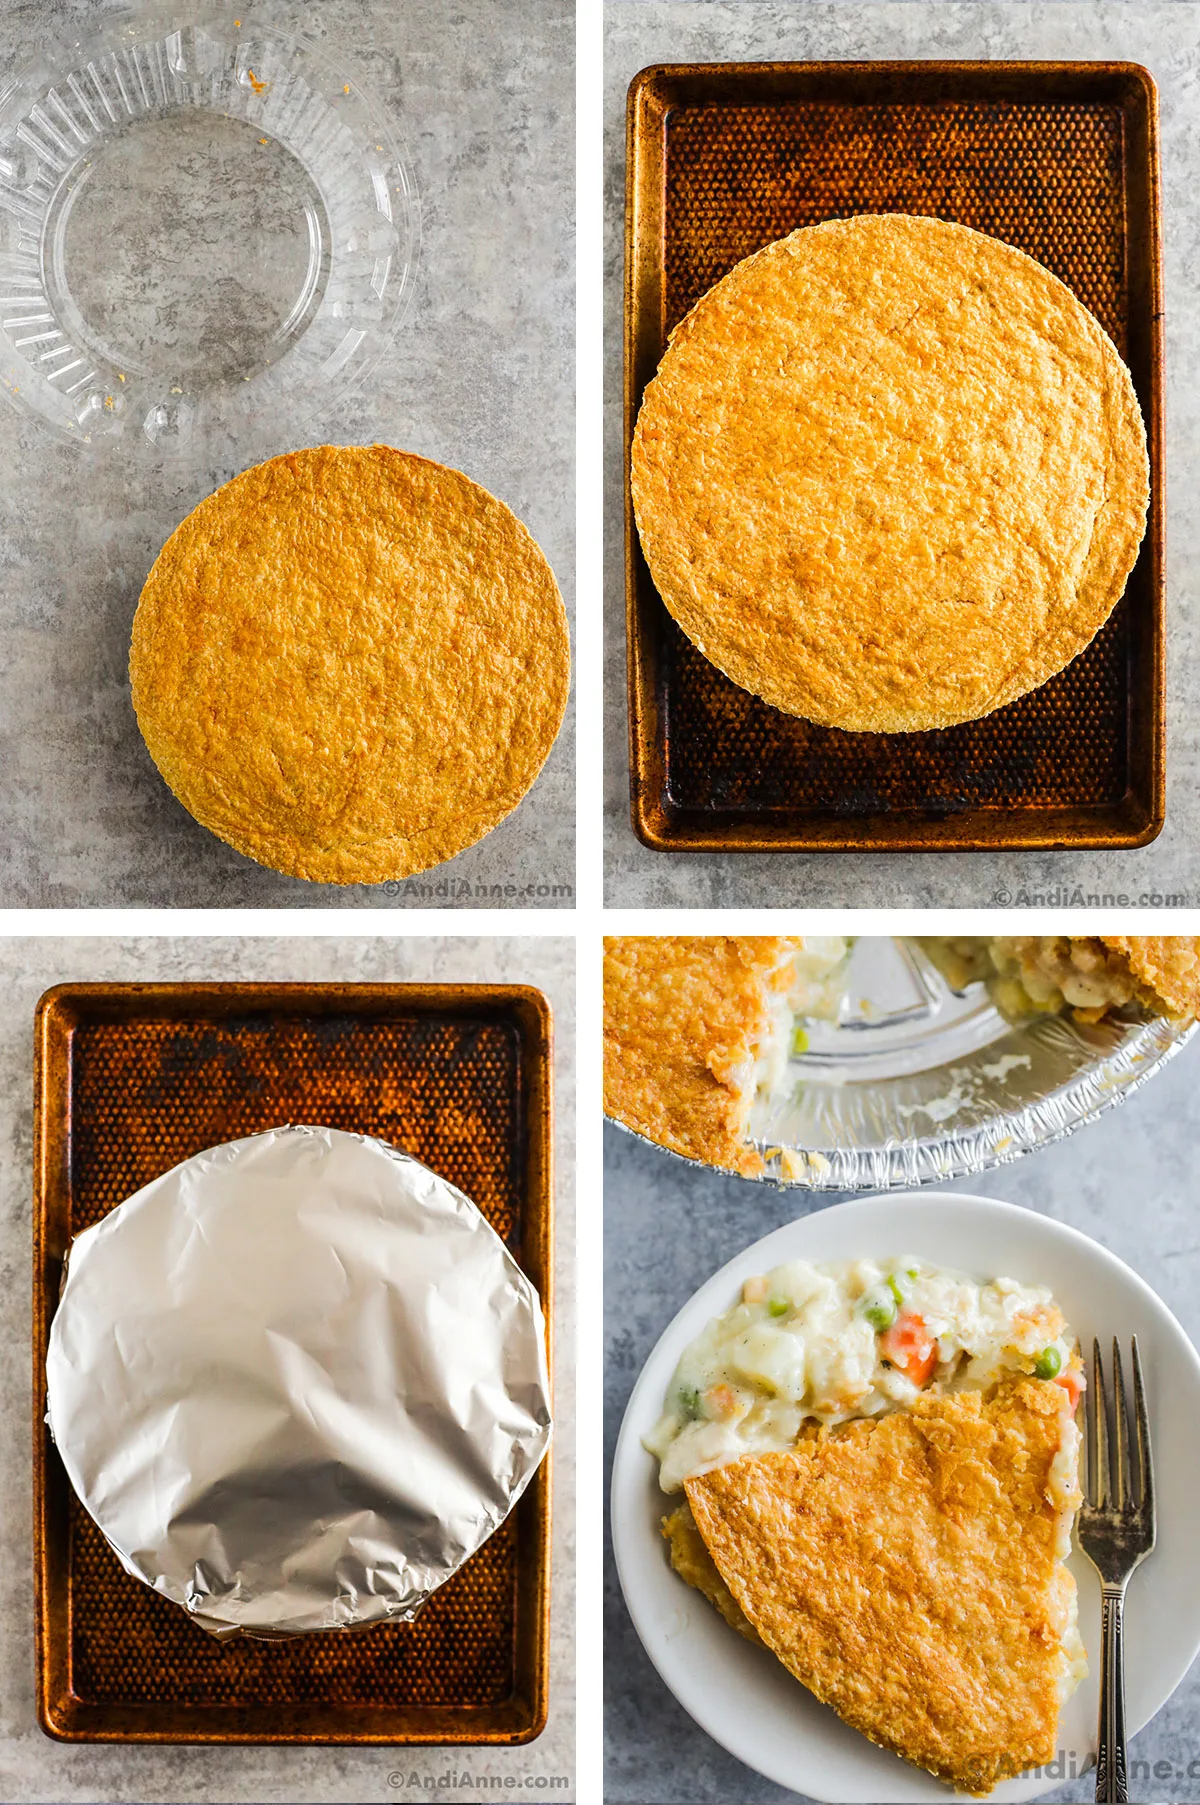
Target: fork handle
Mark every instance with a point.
(1111, 1783)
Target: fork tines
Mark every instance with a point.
(1117, 1485)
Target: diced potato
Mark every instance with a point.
(840, 1373)
(770, 1357)
(802, 1284)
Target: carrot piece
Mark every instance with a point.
(910, 1347)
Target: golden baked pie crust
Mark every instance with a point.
(1168, 966)
(905, 1570)
(350, 663)
(683, 1015)
(890, 474)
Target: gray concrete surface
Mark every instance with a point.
(480, 376)
(32, 1767)
(1127, 1180)
(1166, 39)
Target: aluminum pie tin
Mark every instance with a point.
(297, 1381)
(916, 1084)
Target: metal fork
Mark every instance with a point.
(1116, 1531)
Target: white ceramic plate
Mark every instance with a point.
(741, 1695)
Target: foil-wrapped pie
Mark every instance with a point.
(297, 1381)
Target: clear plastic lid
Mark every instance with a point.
(207, 229)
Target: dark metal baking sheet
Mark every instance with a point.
(130, 1079)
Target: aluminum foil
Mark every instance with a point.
(915, 1083)
(297, 1381)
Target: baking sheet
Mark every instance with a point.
(129, 1079)
(1059, 159)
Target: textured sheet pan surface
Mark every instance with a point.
(129, 1080)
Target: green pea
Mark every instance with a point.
(879, 1308)
(779, 1306)
(689, 1400)
(1048, 1364)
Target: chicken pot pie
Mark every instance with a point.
(350, 663)
(880, 1470)
(698, 1028)
(890, 474)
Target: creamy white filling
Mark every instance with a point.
(815, 994)
(1074, 1654)
(766, 1073)
(812, 1343)
(1063, 1489)
(1037, 974)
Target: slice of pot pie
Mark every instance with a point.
(909, 1571)
(696, 1026)
(1045, 974)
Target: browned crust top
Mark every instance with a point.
(350, 663)
(1168, 965)
(890, 475)
(904, 1569)
(683, 1016)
